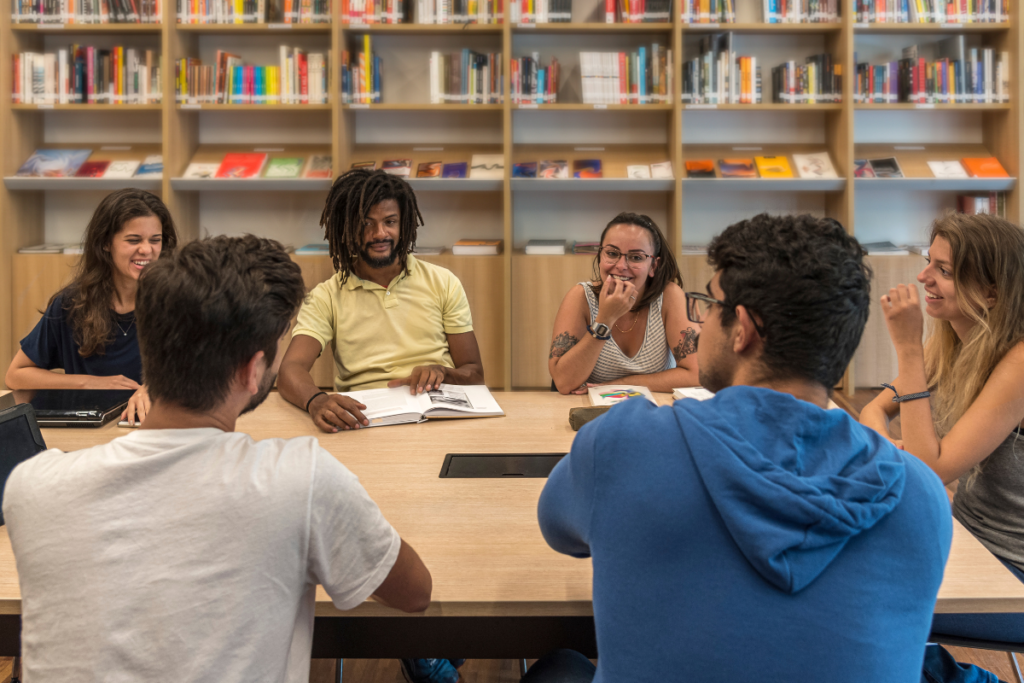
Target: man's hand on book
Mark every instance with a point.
(332, 412)
(423, 378)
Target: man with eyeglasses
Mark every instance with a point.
(756, 536)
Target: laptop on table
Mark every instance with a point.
(74, 407)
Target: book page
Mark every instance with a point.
(383, 402)
(451, 400)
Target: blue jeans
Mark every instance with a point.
(561, 666)
(432, 670)
(939, 665)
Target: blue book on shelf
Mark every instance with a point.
(642, 82)
(315, 249)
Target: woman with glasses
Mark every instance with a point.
(628, 325)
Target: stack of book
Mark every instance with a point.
(641, 77)
(540, 11)
(818, 80)
(994, 203)
(932, 11)
(468, 247)
(465, 77)
(800, 11)
(253, 12)
(299, 79)
(460, 11)
(709, 11)
(86, 12)
(955, 76)
(720, 76)
(361, 75)
(545, 247)
(238, 165)
(532, 83)
(637, 11)
(373, 12)
(75, 163)
(87, 75)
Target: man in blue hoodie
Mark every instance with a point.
(757, 536)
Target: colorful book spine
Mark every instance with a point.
(84, 74)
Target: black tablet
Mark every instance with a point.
(19, 440)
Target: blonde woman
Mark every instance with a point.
(969, 427)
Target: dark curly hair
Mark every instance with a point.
(352, 196)
(666, 271)
(805, 280)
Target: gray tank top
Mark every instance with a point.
(653, 356)
(992, 507)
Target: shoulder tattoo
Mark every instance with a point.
(561, 345)
(687, 344)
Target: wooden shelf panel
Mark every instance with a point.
(253, 107)
(423, 29)
(417, 106)
(823, 27)
(580, 106)
(764, 107)
(592, 27)
(937, 184)
(592, 184)
(87, 107)
(766, 184)
(929, 107)
(87, 28)
(254, 28)
(930, 28)
(86, 184)
(251, 184)
(455, 184)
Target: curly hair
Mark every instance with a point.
(352, 197)
(805, 280)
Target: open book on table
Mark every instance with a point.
(397, 406)
(610, 394)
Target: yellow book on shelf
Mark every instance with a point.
(239, 12)
(367, 72)
(773, 167)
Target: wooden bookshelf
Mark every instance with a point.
(513, 296)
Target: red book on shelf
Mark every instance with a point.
(609, 11)
(303, 78)
(241, 165)
(92, 169)
(623, 95)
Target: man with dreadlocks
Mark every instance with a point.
(394, 320)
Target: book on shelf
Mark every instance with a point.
(477, 247)
(198, 170)
(73, 249)
(700, 168)
(81, 74)
(253, 12)
(122, 169)
(643, 76)
(984, 167)
(371, 12)
(662, 169)
(553, 169)
(886, 168)
(586, 247)
(241, 165)
(947, 169)
(932, 12)
(438, 12)
(545, 247)
(800, 11)
(717, 75)
(87, 12)
(151, 167)
(699, 393)
(818, 80)
(428, 251)
(540, 12)
(456, 169)
(921, 249)
(610, 394)
(638, 171)
(993, 203)
(695, 250)
(465, 77)
(814, 165)
(298, 78)
(315, 249)
(395, 406)
(532, 83)
(92, 169)
(637, 11)
(53, 163)
(48, 248)
(429, 169)
(950, 74)
(587, 168)
(737, 168)
(368, 165)
(862, 169)
(708, 11)
(319, 166)
(487, 166)
(884, 248)
(284, 167)
(397, 167)
(361, 74)
(773, 167)
(524, 169)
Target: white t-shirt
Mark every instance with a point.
(187, 555)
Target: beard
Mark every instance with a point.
(378, 261)
(712, 375)
(264, 390)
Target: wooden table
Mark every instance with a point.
(499, 590)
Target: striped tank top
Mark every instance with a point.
(653, 356)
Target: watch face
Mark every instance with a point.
(601, 329)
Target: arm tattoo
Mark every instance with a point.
(561, 345)
(687, 345)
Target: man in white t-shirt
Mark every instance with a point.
(187, 551)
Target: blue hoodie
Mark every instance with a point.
(750, 537)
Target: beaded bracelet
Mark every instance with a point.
(906, 397)
(319, 393)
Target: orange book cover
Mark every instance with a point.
(700, 168)
(241, 165)
(987, 167)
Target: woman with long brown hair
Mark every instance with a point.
(629, 324)
(88, 328)
(960, 397)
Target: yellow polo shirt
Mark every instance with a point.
(381, 334)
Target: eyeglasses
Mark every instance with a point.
(633, 258)
(697, 306)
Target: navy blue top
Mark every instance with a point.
(51, 345)
(750, 537)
